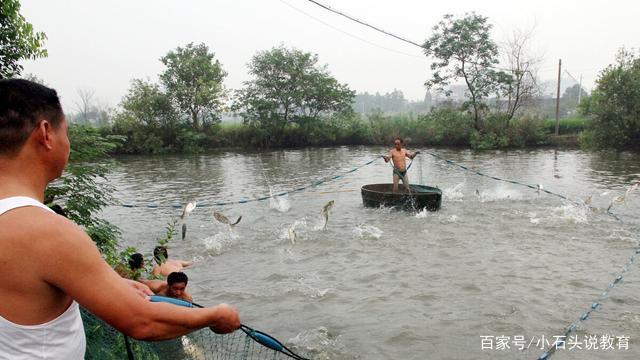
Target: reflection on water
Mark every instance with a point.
(497, 259)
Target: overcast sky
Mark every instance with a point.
(102, 45)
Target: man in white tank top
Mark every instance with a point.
(49, 265)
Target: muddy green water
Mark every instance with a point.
(380, 284)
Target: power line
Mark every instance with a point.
(398, 37)
(571, 76)
(349, 34)
(327, 7)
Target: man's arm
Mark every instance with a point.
(387, 157)
(411, 155)
(155, 285)
(73, 264)
(188, 297)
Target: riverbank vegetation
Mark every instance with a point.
(614, 107)
(480, 95)
(293, 101)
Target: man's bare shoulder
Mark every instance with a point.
(42, 231)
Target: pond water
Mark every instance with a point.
(496, 260)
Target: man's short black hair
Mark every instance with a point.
(23, 104)
(160, 254)
(177, 277)
(135, 261)
(398, 138)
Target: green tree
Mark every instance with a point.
(464, 50)
(149, 105)
(193, 81)
(614, 105)
(18, 41)
(83, 189)
(289, 88)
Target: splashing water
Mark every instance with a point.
(570, 213)
(279, 203)
(454, 193)
(320, 344)
(567, 213)
(422, 214)
(298, 227)
(499, 194)
(451, 219)
(310, 285)
(217, 243)
(367, 231)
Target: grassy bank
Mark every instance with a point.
(445, 127)
(567, 126)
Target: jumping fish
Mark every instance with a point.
(223, 219)
(632, 188)
(477, 193)
(539, 186)
(292, 235)
(192, 350)
(616, 200)
(620, 199)
(325, 212)
(185, 212)
(188, 209)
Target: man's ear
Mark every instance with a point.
(43, 133)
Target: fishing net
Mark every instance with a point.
(106, 343)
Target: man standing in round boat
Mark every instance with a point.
(397, 155)
(50, 266)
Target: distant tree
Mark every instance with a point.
(84, 104)
(193, 81)
(393, 102)
(572, 93)
(289, 87)
(464, 50)
(148, 105)
(614, 105)
(523, 70)
(18, 41)
(35, 79)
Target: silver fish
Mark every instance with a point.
(615, 200)
(325, 212)
(188, 209)
(632, 188)
(540, 187)
(192, 350)
(223, 219)
(292, 235)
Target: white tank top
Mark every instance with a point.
(61, 338)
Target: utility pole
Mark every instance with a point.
(580, 90)
(558, 99)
